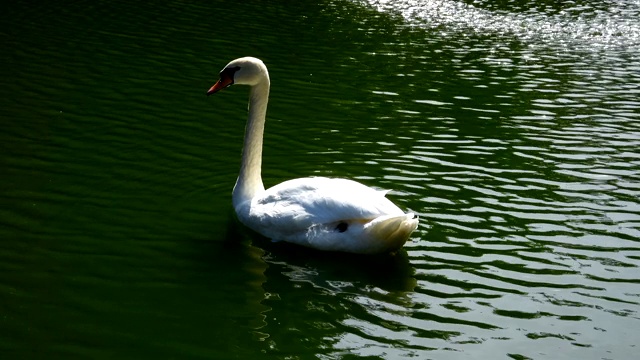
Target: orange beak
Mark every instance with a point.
(221, 84)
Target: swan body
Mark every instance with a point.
(318, 212)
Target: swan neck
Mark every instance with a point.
(249, 183)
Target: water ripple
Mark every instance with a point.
(511, 128)
(530, 199)
(565, 25)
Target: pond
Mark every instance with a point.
(511, 128)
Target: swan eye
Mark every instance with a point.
(342, 227)
(229, 73)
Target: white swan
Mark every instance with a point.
(322, 213)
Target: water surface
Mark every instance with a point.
(511, 128)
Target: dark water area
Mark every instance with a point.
(511, 128)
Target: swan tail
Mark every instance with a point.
(391, 232)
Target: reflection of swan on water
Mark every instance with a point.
(324, 300)
(339, 273)
(292, 284)
(317, 212)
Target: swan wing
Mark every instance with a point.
(295, 206)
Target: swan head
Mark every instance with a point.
(243, 71)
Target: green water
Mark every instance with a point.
(511, 128)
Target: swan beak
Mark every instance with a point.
(221, 84)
